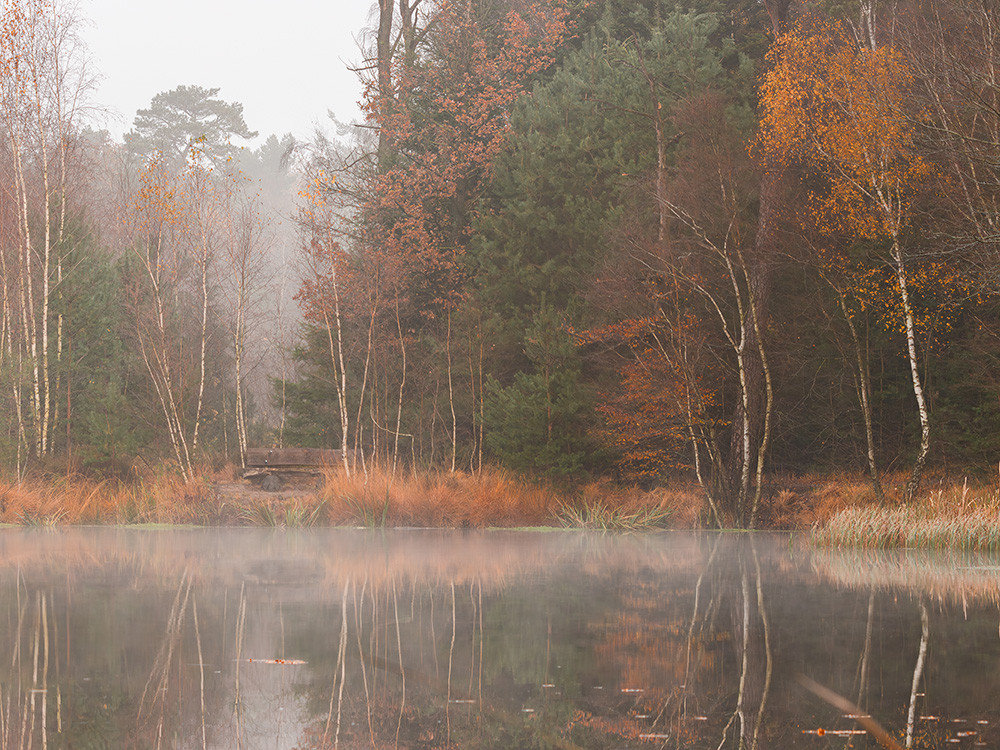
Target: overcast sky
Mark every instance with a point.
(286, 61)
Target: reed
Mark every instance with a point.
(79, 500)
(492, 497)
(602, 517)
(957, 517)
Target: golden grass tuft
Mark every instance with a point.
(493, 497)
(79, 500)
(601, 504)
(956, 516)
(802, 501)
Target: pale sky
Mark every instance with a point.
(286, 61)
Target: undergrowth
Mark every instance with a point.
(957, 517)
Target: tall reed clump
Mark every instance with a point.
(51, 503)
(78, 500)
(956, 517)
(601, 506)
(492, 497)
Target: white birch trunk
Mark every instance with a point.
(918, 391)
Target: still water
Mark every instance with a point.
(117, 638)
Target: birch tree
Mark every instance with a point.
(841, 110)
(42, 92)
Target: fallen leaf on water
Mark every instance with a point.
(276, 661)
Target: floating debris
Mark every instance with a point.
(633, 690)
(527, 710)
(461, 700)
(548, 685)
(287, 662)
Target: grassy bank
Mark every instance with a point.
(840, 510)
(955, 516)
(492, 498)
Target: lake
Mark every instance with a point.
(250, 638)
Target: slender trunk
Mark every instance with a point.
(918, 391)
(203, 342)
(752, 304)
(451, 399)
(472, 393)
(26, 289)
(340, 370)
(918, 673)
(155, 354)
(402, 382)
(46, 270)
(864, 396)
(482, 400)
(358, 444)
(383, 51)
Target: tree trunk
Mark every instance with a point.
(383, 52)
(864, 396)
(451, 400)
(918, 391)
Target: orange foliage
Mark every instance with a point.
(645, 414)
(842, 110)
(447, 121)
(937, 293)
(321, 292)
(654, 403)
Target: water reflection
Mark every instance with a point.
(319, 639)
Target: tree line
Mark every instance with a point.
(639, 240)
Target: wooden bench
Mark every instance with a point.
(269, 467)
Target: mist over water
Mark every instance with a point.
(360, 638)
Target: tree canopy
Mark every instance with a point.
(184, 118)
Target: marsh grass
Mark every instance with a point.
(602, 517)
(953, 516)
(492, 497)
(78, 500)
(840, 509)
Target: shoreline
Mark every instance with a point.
(833, 510)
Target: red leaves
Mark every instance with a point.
(447, 121)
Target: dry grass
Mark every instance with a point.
(491, 498)
(74, 500)
(841, 509)
(803, 501)
(954, 515)
(602, 505)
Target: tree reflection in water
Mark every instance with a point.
(322, 639)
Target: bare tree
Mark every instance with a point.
(42, 91)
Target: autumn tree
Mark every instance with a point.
(842, 110)
(441, 114)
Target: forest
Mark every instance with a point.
(709, 245)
